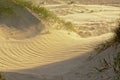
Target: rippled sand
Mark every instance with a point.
(59, 53)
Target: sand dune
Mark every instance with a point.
(46, 49)
(75, 68)
(89, 19)
(41, 50)
(77, 1)
(27, 52)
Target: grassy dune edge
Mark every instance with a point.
(46, 15)
(113, 42)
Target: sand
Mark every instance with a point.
(92, 2)
(54, 49)
(44, 49)
(89, 19)
(59, 54)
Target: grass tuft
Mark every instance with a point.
(69, 26)
(71, 2)
(117, 33)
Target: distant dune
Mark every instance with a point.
(98, 1)
(78, 1)
(88, 19)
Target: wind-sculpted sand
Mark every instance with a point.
(29, 53)
(41, 50)
(89, 19)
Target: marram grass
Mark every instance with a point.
(46, 14)
(116, 66)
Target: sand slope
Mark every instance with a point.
(79, 68)
(34, 55)
(43, 49)
(56, 54)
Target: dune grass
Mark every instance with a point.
(112, 42)
(116, 66)
(5, 8)
(46, 15)
(117, 33)
(43, 12)
(71, 2)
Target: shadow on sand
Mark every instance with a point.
(79, 67)
(22, 20)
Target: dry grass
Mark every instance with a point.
(116, 66)
(112, 42)
(117, 33)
